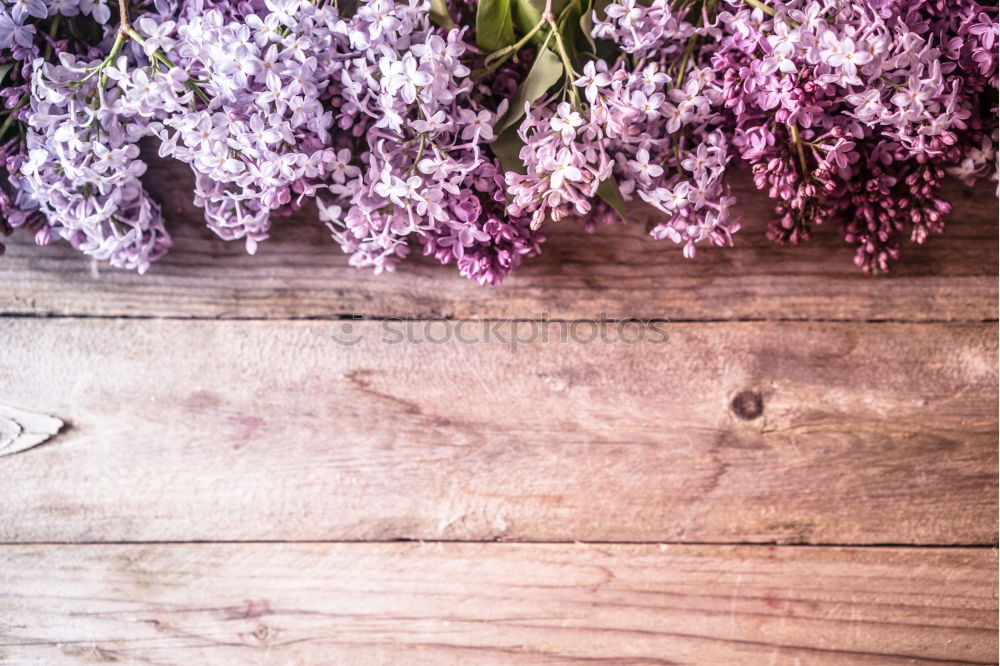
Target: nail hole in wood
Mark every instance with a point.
(748, 405)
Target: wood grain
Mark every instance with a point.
(300, 273)
(451, 604)
(745, 431)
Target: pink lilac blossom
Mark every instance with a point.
(415, 159)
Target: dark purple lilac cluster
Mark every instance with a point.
(854, 112)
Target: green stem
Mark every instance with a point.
(10, 118)
(798, 147)
(564, 56)
(158, 56)
(761, 6)
(116, 50)
(505, 53)
(52, 35)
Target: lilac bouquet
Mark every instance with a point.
(463, 128)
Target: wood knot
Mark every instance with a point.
(21, 430)
(747, 405)
(261, 633)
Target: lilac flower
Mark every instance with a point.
(846, 112)
(592, 80)
(669, 148)
(13, 32)
(256, 136)
(865, 105)
(96, 8)
(413, 163)
(83, 168)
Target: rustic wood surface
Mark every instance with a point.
(882, 433)
(620, 271)
(795, 402)
(496, 604)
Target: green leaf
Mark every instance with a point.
(571, 32)
(546, 71)
(587, 27)
(507, 147)
(527, 14)
(609, 192)
(4, 70)
(440, 15)
(494, 25)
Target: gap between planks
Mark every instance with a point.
(555, 320)
(500, 542)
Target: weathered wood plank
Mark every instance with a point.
(620, 271)
(730, 432)
(466, 604)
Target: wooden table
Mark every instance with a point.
(196, 472)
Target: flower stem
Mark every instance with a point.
(761, 6)
(505, 53)
(10, 118)
(158, 56)
(52, 35)
(798, 147)
(564, 56)
(124, 25)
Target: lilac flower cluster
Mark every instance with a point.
(83, 169)
(412, 128)
(31, 30)
(239, 100)
(663, 110)
(854, 111)
(415, 120)
(646, 125)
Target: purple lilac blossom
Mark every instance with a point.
(26, 34)
(661, 106)
(241, 105)
(420, 132)
(844, 111)
(71, 166)
(83, 168)
(853, 111)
